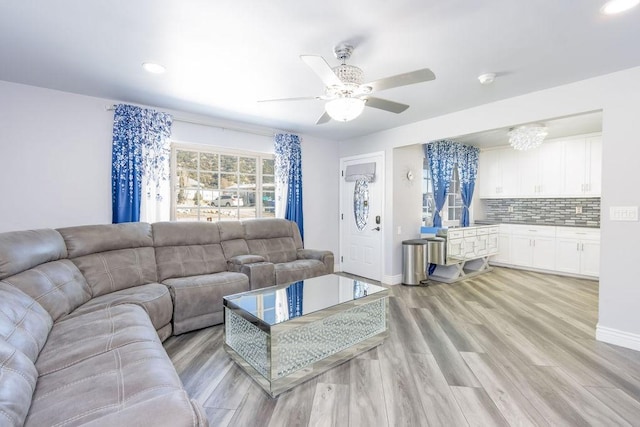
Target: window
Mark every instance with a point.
(213, 185)
(452, 210)
(428, 201)
(454, 199)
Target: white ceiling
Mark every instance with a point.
(557, 127)
(222, 56)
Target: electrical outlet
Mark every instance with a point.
(623, 213)
(578, 209)
(510, 209)
(399, 230)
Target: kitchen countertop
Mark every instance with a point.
(560, 224)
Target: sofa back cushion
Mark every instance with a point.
(22, 250)
(112, 257)
(57, 286)
(232, 239)
(18, 376)
(187, 249)
(274, 239)
(23, 322)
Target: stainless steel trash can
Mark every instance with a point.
(436, 253)
(414, 261)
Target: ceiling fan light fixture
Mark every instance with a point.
(614, 7)
(527, 137)
(345, 109)
(153, 68)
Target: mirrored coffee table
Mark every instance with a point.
(284, 335)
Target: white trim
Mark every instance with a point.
(618, 337)
(542, 270)
(217, 150)
(392, 280)
(380, 178)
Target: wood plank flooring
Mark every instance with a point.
(506, 348)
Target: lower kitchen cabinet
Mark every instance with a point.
(533, 251)
(578, 251)
(571, 250)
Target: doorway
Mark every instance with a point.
(361, 210)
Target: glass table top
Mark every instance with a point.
(278, 304)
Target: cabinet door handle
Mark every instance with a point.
(577, 246)
(582, 247)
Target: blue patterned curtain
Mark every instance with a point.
(295, 293)
(442, 156)
(288, 170)
(140, 149)
(467, 171)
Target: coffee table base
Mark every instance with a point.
(290, 353)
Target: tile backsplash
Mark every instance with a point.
(560, 211)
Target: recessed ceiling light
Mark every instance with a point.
(153, 68)
(613, 7)
(487, 79)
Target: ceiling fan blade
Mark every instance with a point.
(323, 118)
(302, 98)
(385, 104)
(322, 69)
(410, 78)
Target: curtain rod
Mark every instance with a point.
(205, 123)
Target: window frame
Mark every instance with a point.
(221, 151)
(447, 220)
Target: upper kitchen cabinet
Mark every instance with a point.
(583, 167)
(497, 172)
(540, 171)
(558, 168)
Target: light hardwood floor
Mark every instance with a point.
(506, 348)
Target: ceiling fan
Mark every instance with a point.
(345, 93)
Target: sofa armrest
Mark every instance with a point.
(326, 257)
(235, 263)
(261, 274)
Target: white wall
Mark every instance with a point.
(53, 147)
(55, 162)
(618, 95)
(406, 202)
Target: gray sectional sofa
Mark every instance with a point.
(84, 311)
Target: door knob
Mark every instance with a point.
(376, 229)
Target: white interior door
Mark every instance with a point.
(361, 244)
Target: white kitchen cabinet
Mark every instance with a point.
(533, 246)
(540, 171)
(502, 254)
(497, 175)
(493, 240)
(594, 182)
(578, 251)
(571, 250)
(582, 167)
(561, 168)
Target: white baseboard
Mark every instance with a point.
(392, 280)
(618, 337)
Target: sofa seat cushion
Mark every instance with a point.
(197, 300)
(23, 322)
(76, 339)
(154, 298)
(18, 378)
(133, 384)
(298, 270)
